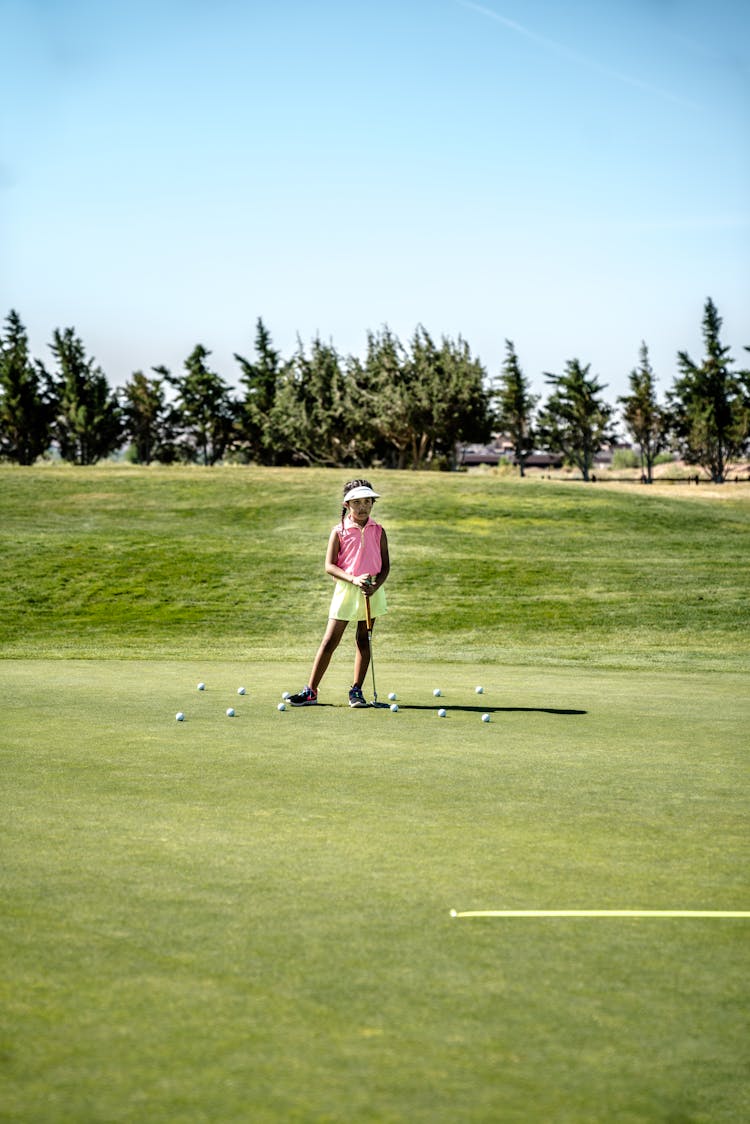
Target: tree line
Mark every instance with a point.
(400, 406)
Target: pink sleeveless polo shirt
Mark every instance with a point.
(359, 547)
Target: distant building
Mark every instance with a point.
(500, 450)
(543, 460)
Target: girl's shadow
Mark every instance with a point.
(491, 709)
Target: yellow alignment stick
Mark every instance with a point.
(601, 913)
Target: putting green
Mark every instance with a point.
(249, 918)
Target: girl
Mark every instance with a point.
(357, 559)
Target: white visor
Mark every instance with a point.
(360, 493)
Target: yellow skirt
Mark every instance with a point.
(348, 603)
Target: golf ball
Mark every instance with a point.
(180, 716)
(393, 696)
(230, 712)
(394, 708)
(286, 695)
(437, 692)
(442, 713)
(485, 717)
(479, 690)
(281, 706)
(201, 686)
(241, 691)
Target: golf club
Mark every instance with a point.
(369, 641)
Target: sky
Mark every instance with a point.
(570, 176)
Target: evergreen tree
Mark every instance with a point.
(462, 401)
(312, 413)
(436, 399)
(423, 376)
(149, 420)
(287, 419)
(89, 423)
(575, 421)
(515, 406)
(262, 380)
(710, 404)
(364, 442)
(384, 394)
(414, 405)
(26, 406)
(205, 408)
(646, 421)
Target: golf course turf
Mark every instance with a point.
(249, 918)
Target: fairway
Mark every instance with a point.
(249, 918)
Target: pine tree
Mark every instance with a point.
(515, 406)
(424, 376)
(149, 420)
(313, 411)
(646, 421)
(462, 401)
(414, 405)
(575, 420)
(710, 404)
(89, 423)
(384, 391)
(205, 409)
(262, 380)
(437, 398)
(26, 405)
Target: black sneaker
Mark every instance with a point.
(356, 698)
(306, 697)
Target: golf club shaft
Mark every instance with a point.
(368, 615)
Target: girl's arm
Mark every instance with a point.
(333, 569)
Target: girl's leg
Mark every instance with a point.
(328, 646)
(362, 654)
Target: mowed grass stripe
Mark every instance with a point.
(249, 918)
(121, 561)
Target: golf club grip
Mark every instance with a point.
(368, 613)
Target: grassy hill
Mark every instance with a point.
(118, 561)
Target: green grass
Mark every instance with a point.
(248, 919)
(126, 562)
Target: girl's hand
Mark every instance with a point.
(365, 582)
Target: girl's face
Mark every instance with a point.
(360, 510)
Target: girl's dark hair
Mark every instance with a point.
(347, 488)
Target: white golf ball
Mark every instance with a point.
(286, 695)
(180, 716)
(394, 708)
(442, 713)
(201, 686)
(393, 696)
(281, 706)
(230, 712)
(485, 717)
(479, 690)
(241, 691)
(437, 692)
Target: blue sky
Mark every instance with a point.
(572, 176)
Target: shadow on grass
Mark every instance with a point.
(492, 709)
(463, 709)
